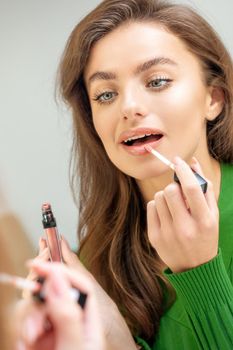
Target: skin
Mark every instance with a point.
(179, 107)
(60, 323)
(173, 98)
(93, 329)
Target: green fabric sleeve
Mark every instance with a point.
(142, 343)
(207, 295)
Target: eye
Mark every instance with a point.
(105, 97)
(159, 83)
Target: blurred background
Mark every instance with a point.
(35, 132)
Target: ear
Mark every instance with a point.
(215, 102)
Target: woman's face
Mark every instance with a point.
(145, 87)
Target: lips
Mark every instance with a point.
(139, 135)
(134, 141)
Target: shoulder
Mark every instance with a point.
(227, 170)
(226, 186)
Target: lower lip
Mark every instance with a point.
(139, 150)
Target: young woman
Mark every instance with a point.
(149, 72)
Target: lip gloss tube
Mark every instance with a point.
(51, 233)
(202, 182)
(75, 294)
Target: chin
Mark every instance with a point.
(142, 174)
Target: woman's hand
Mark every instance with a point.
(117, 334)
(60, 323)
(115, 329)
(42, 256)
(183, 222)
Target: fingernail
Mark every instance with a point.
(29, 330)
(178, 160)
(194, 160)
(42, 243)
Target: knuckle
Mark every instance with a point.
(171, 190)
(192, 188)
(210, 185)
(208, 223)
(184, 233)
(67, 314)
(158, 196)
(150, 205)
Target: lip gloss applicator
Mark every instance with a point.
(19, 282)
(202, 182)
(36, 288)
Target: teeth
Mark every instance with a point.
(136, 137)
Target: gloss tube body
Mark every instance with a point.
(51, 233)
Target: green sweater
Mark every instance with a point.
(202, 315)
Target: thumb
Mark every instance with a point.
(195, 165)
(69, 257)
(57, 293)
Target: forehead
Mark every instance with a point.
(132, 43)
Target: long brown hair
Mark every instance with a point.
(112, 224)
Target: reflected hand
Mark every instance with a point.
(43, 256)
(117, 333)
(60, 323)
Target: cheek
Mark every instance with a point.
(104, 128)
(98, 122)
(185, 107)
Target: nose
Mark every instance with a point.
(133, 105)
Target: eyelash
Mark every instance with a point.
(166, 81)
(99, 97)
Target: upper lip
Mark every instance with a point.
(136, 133)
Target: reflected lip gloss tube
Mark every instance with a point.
(51, 233)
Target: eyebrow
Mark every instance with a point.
(139, 69)
(101, 76)
(154, 62)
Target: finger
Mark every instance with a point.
(93, 321)
(43, 255)
(209, 195)
(69, 257)
(81, 279)
(176, 203)
(191, 189)
(57, 291)
(195, 165)
(71, 322)
(28, 321)
(32, 276)
(153, 223)
(65, 242)
(163, 211)
(42, 244)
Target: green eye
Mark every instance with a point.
(105, 97)
(159, 82)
